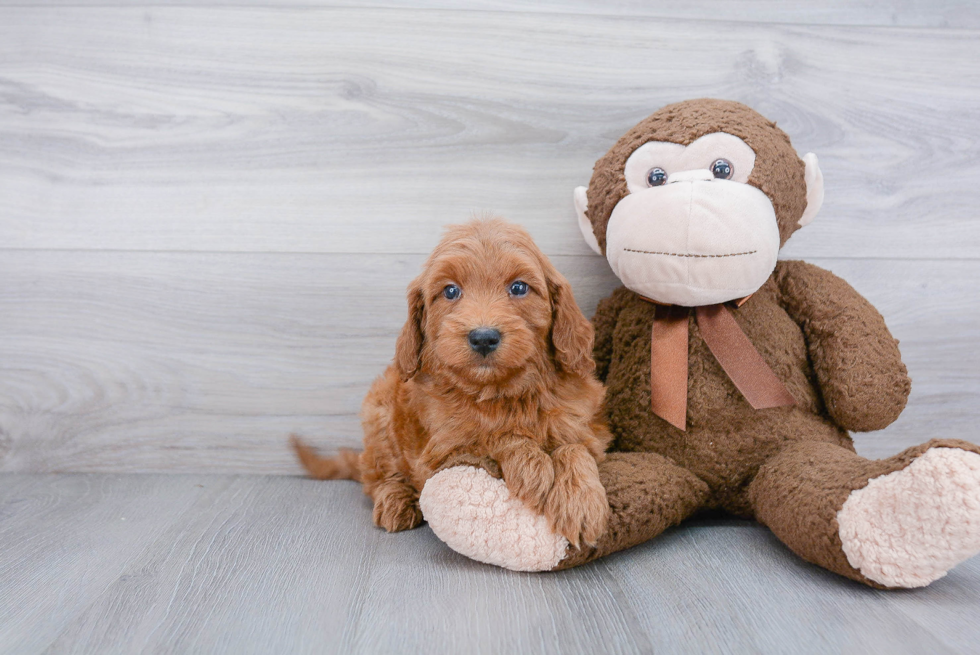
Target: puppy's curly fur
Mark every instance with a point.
(529, 410)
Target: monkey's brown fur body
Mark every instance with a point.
(791, 468)
(530, 411)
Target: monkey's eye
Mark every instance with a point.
(722, 169)
(451, 292)
(518, 288)
(656, 176)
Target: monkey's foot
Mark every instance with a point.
(475, 515)
(910, 527)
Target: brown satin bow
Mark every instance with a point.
(726, 341)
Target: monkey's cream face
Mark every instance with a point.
(691, 231)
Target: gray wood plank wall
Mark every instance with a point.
(208, 215)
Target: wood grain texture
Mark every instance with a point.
(208, 215)
(956, 14)
(363, 130)
(734, 587)
(66, 538)
(205, 362)
(260, 564)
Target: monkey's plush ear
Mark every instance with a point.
(814, 188)
(408, 348)
(581, 198)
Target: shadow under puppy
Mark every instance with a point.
(493, 367)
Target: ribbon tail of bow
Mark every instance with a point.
(668, 364)
(739, 358)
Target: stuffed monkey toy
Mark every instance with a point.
(733, 378)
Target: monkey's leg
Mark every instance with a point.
(476, 515)
(647, 494)
(897, 522)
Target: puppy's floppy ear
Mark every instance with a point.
(571, 332)
(408, 348)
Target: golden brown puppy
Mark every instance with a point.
(494, 366)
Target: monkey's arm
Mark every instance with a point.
(862, 378)
(604, 322)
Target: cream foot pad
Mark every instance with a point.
(476, 516)
(908, 528)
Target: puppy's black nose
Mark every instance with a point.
(484, 340)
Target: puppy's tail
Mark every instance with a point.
(345, 466)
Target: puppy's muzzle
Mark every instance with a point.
(484, 340)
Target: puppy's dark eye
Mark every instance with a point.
(518, 288)
(451, 292)
(722, 169)
(656, 177)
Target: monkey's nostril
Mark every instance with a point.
(484, 340)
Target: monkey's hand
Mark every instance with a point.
(856, 360)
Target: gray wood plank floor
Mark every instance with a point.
(263, 564)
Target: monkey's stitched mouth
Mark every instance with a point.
(682, 254)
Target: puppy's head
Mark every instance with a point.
(489, 307)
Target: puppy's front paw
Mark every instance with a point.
(577, 505)
(484, 462)
(578, 512)
(529, 474)
(396, 507)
